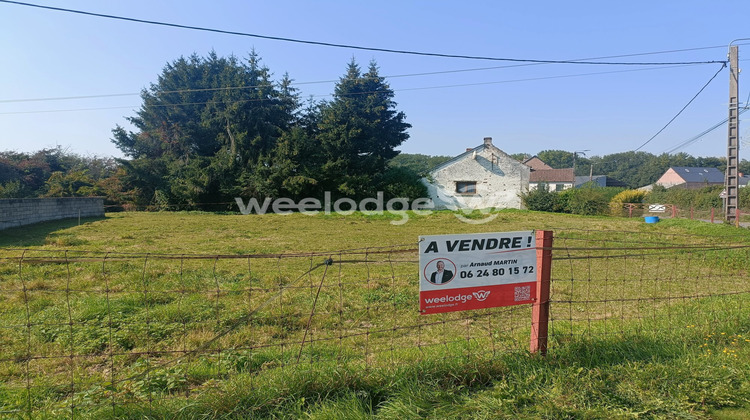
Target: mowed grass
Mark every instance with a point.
(209, 233)
(115, 319)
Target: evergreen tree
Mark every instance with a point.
(202, 128)
(358, 133)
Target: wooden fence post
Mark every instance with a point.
(737, 216)
(540, 307)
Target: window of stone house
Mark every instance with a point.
(466, 187)
(559, 187)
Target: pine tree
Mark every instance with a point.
(203, 127)
(358, 133)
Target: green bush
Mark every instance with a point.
(540, 199)
(402, 182)
(586, 201)
(616, 204)
(701, 199)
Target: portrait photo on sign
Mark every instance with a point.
(440, 271)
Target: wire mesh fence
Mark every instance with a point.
(82, 331)
(645, 283)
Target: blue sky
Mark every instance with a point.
(600, 108)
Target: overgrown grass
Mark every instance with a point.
(109, 320)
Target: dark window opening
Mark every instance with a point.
(466, 187)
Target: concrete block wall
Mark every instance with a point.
(25, 211)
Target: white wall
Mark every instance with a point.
(499, 181)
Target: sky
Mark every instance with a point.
(51, 59)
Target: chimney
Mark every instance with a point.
(469, 149)
(487, 141)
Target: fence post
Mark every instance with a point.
(674, 211)
(712, 214)
(737, 216)
(630, 210)
(540, 307)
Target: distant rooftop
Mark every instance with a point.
(698, 175)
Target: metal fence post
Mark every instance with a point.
(540, 307)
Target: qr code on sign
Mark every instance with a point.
(522, 293)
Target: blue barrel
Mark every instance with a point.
(651, 219)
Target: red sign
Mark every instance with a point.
(476, 271)
(449, 300)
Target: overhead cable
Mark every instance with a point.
(683, 108)
(166, 92)
(312, 96)
(347, 46)
(694, 139)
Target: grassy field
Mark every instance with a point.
(200, 315)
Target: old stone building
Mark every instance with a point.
(482, 177)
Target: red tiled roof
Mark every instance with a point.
(536, 164)
(552, 175)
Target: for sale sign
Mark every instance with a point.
(475, 271)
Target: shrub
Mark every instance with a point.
(586, 201)
(400, 182)
(540, 199)
(702, 199)
(616, 205)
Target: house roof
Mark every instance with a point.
(487, 145)
(552, 175)
(700, 175)
(536, 164)
(601, 180)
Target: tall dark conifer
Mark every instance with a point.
(358, 132)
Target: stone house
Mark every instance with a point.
(482, 177)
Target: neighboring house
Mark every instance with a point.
(690, 178)
(598, 181)
(482, 177)
(552, 179)
(536, 164)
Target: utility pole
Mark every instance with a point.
(731, 180)
(575, 155)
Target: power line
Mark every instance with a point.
(109, 95)
(683, 108)
(319, 96)
(693, 139)
(347, 46)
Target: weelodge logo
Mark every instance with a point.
(481, 295)
(343, 206)
(368, 206)
(449, 299)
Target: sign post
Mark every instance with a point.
(540, 309)
(476, 271)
